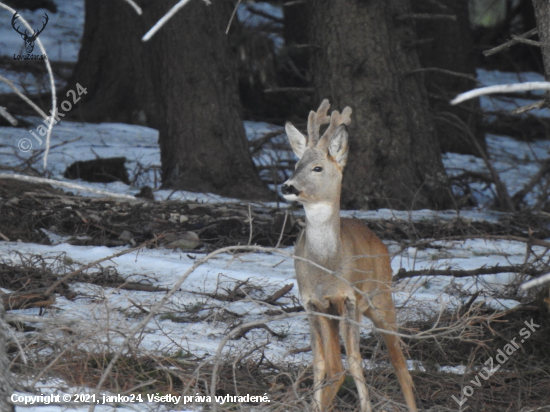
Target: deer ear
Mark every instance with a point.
(338, 147)
(297, 140)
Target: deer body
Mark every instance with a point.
(344, 268)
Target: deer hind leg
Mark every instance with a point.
(350, 334)
(328, 371)
(383, 317)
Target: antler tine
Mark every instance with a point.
(13, 21)
(315, 120)
(336, 120)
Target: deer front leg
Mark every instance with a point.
(350, 334)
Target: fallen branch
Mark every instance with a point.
(459, 273)
(280, 293)
(88, 266)
(67, 185)
(141, 287)
(27, 300)
(244, 331)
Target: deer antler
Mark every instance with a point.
(15, 17)
(336, 120)
(37, 32)
(315, 120)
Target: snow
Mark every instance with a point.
(106, 310)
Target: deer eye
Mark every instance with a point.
(318, 169)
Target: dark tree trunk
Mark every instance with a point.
(447, 44)
(182, 82)
(109, 65)
(202, 141)
(296, 35)
(362, 58)
(5, 376)
(542, 14)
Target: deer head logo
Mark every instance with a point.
(29, 40)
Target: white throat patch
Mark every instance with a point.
(322, 232)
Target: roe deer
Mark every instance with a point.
(358, 276)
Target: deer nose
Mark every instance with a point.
(289, 190)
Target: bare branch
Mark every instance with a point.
(134, 6)
(536, 282)
(519, 196)
(509, 43)
(232, 16)
(458, 273)
(520, 39)
(445, 71)
(4, 113)
(500, 88)
(289, 89)
(426, 16)
(537, 105)
(165, 19)
(11, 317)
(67, 185)
(25, 98)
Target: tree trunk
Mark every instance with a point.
(542, 14)
(109, 65)
(5, 376)
(182, 82)
(361, 58)
(203, 145)
(448, 44)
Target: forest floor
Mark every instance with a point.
(456, 324)
(152, 297)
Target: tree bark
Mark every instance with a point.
(448, 44)
(361, 58)
(203, 145)
(5, 376)
(109, 65)
(542, 15)
(182, 82)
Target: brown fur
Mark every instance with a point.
(343, 268)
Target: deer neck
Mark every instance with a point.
(322, 230)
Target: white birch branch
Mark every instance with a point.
(165, 18)
(134, 6)
(536, 282)
(4, 113)
(500, 88)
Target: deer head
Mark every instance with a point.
(318, 174)
(29, 40)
